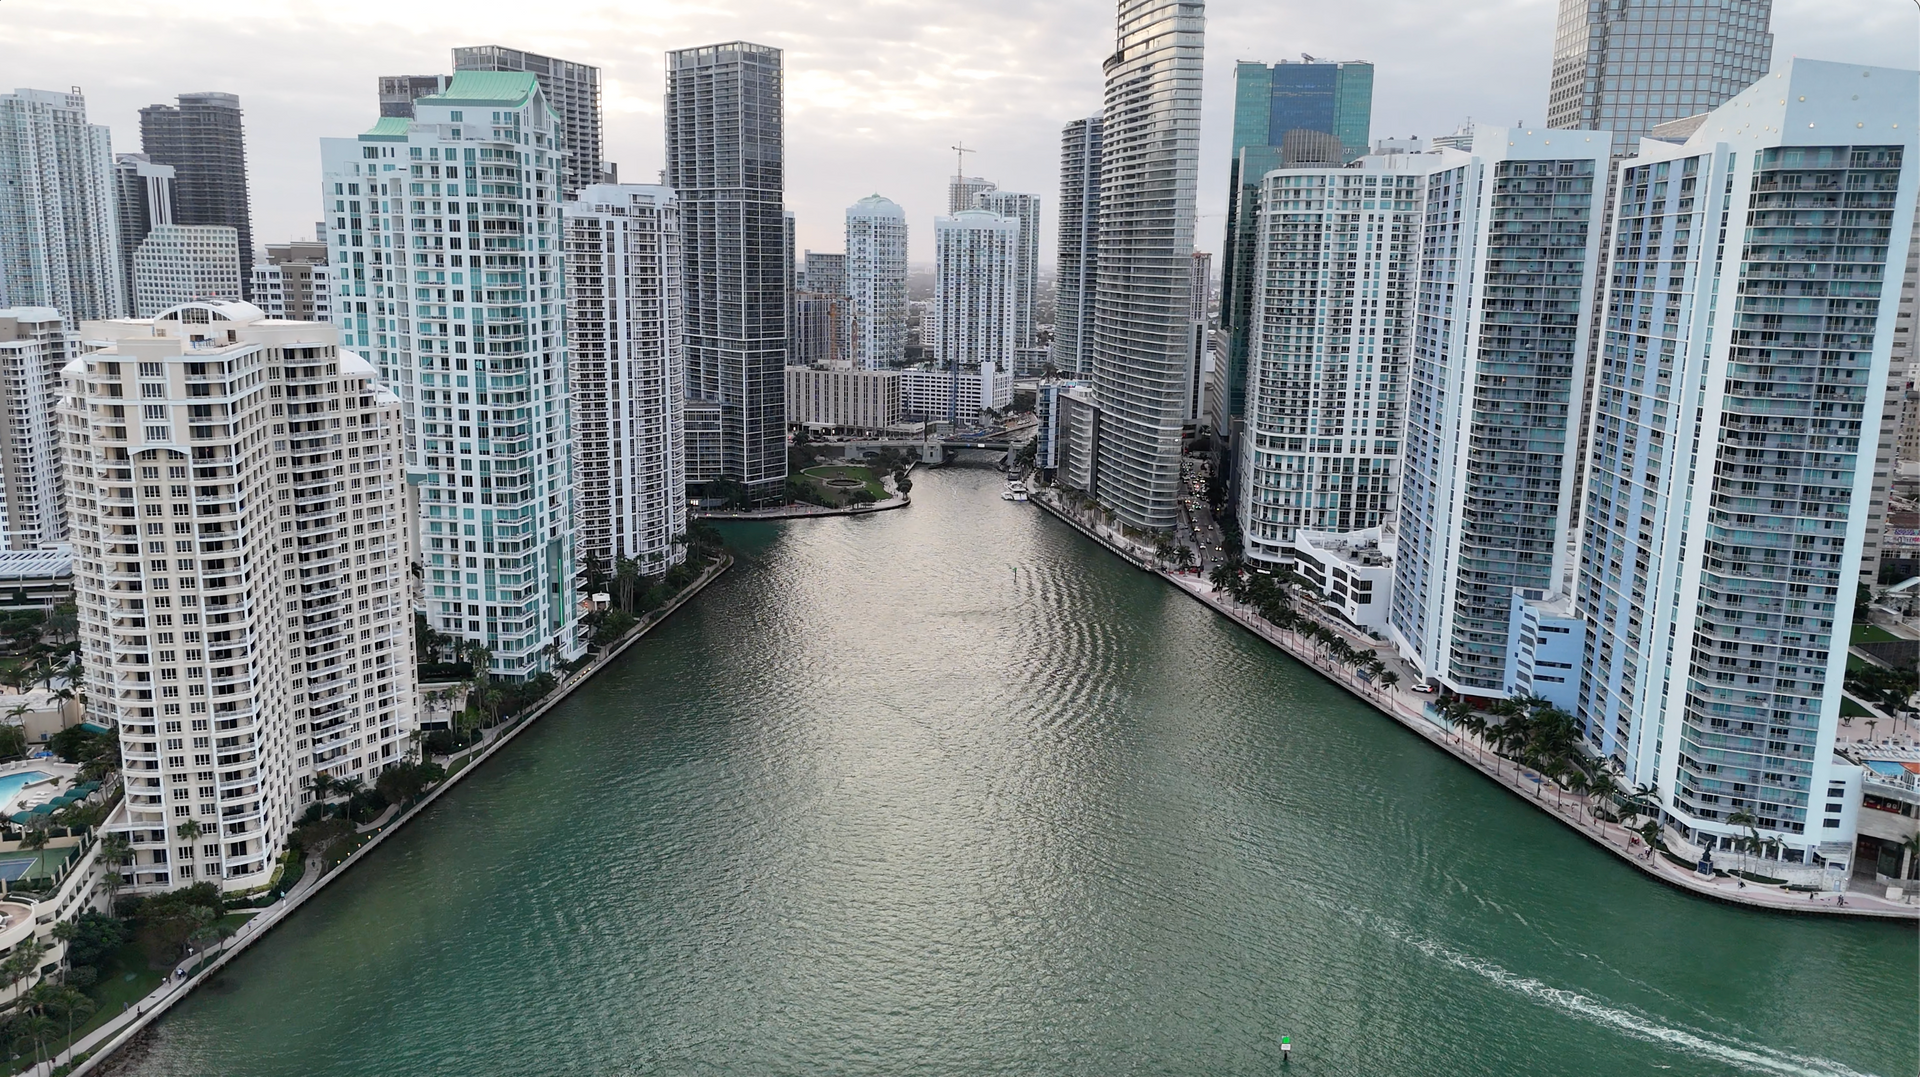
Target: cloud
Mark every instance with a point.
(878, 90)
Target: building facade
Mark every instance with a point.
(203, 138)
(1738, 408)
(1626, 67)
(57, 221)
(236, 496)
(144, 199)
(35, 346)
(962, 394)
(726, 160)
(963, 192)
(1024, 208)
(844, 400)
(1078, 266)
(975, 290)
(177, 263)
(877, 280)
(1330, 331)
(572, 90)
(1509, 246)
(292, 283)
(452, 221)
(399, 92)
(628, 375)
(1149, 169)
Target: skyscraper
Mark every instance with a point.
(202, 138)
(293, 284)
(452, 220)
(35, 346)
(1295, 113)
(181, 262)
(629, 374)
(1732, 456)
(399, 92)
(1078, 263)
(963, 191)
(822, 331)
(143, 200)
(726, 160)
(572, 90)
(877, 281)
(1024, 208)
(1510, 247)
(976, 258)
(1330, 330)
(237, 618)
(1624, 67)
(827, 273)
(58, 232)
(1149, 167)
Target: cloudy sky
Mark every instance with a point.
(877, 92)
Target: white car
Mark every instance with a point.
(1422, 686)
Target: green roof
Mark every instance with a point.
(389, 129)
(499, 89)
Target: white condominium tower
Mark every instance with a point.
(726, 163)
(1510, 241)
(451, 219)
(877, 281)
(1024, 208)
(1336, 253)
(181, 262)
(1078, 263)
(1628, 67)
(629, 370)
(35, 345)
(237, 505)
(976, 257)
(1743, 366)
(1149, 166)
(59, 240)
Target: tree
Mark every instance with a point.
(115, 852)
(23, 962)
(1389, 679)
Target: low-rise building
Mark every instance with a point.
(962, 395)
(1351, 571)
(1548, 642)
(842, 399)
(1078, 438)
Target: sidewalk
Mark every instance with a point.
(1409, 709)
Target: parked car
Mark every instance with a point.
(1422, 686)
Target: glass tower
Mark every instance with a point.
(1627, 65)
(204, 141)
(1079, 247)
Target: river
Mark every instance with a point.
(950, 790)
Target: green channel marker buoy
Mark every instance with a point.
(1286, 1049)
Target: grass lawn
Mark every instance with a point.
(847, 471)
(1850, 709)
(1866, 633)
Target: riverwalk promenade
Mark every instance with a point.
(97, 1046)
(1410, 710)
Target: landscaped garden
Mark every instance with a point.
(836, 486)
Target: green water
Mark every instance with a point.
(951, 791)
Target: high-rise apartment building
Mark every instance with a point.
(35, 346)
(1078, 254)
(181, 262)
(976, 256)
(826, 274)
(58, 230)
(1149, 168)
(1627, 67)
(877, 281)
(726, 161)
(572, 90)
(964, 191)
(143, 200)
(629, 375)
(292, 284)
(1330, 335)
(237, 504)
(1296, 114)
(452, 221)
(1745, 357)
(399, 92)
(203, 139)
(1509, 247)
(1024, 208)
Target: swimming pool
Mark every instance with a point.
(10, 785)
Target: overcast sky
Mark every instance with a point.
(877, 89)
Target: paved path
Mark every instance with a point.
(1409, 708)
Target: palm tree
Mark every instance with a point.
(115, 852)
(189, 830)
(1747, 819)
(348, 788)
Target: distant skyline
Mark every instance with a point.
(878, 90)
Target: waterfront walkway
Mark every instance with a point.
(98, 1045)
(1409, 708)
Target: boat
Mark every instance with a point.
(1015, 491)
